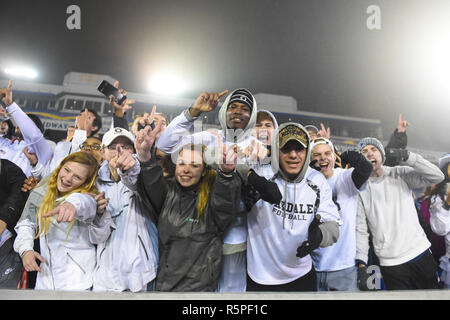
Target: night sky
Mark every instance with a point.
(322, 53)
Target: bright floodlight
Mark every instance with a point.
(167, 84)
(21, 72)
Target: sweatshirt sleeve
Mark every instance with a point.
(439, 217)
(329, 214)
(421, 173)
(151, 186)
(85, 205)
(101, 227)
(78, 138)
(362, 233)
(121, 122)
(38, 170)
(129, 178)
(31, 134)
(178, 128)
(26, 227)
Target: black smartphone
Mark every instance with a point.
(109, 90)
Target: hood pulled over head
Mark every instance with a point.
(284, 133)
(244, 96)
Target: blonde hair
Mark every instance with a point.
(207, 180)
(49, 200)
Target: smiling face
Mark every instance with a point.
(71, 176)
(375, 157)
(93, 146)
(325, 159)
(292, 158)
(264, 130)
(238, 115)
(189, 168)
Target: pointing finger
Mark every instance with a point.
(223, 93)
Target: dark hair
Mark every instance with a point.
(11, 129)
(37, 121)
(97, 120)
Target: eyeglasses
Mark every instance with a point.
(123, 146)
(94, 146)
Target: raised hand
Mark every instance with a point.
(85, 122)
(206, 102)
(402, 124)
(227, 155)
(6, 94)
(145, 140)
(324, 133)
(66, 212)
(30, 156)
(123, 160)
(119, 110)
(102, 202)
(3, 112)
(256, 151)
(147, 119)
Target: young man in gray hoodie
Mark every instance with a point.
(386, 209)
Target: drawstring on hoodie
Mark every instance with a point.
(285, 202)
(292, 220)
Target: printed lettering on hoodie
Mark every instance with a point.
(294, 211)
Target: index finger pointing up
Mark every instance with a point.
(223, 93)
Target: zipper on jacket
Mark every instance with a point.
(139, 237)
(79, 266)
(50, 262)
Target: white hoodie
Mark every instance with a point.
(276, 231)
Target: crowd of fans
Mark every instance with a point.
(255, 206)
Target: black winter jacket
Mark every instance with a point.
(190, 249)
(12, 199)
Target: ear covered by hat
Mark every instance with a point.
(242, 96)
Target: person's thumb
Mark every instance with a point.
(39, 257)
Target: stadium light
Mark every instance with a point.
(21, 72)
(167, 83)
